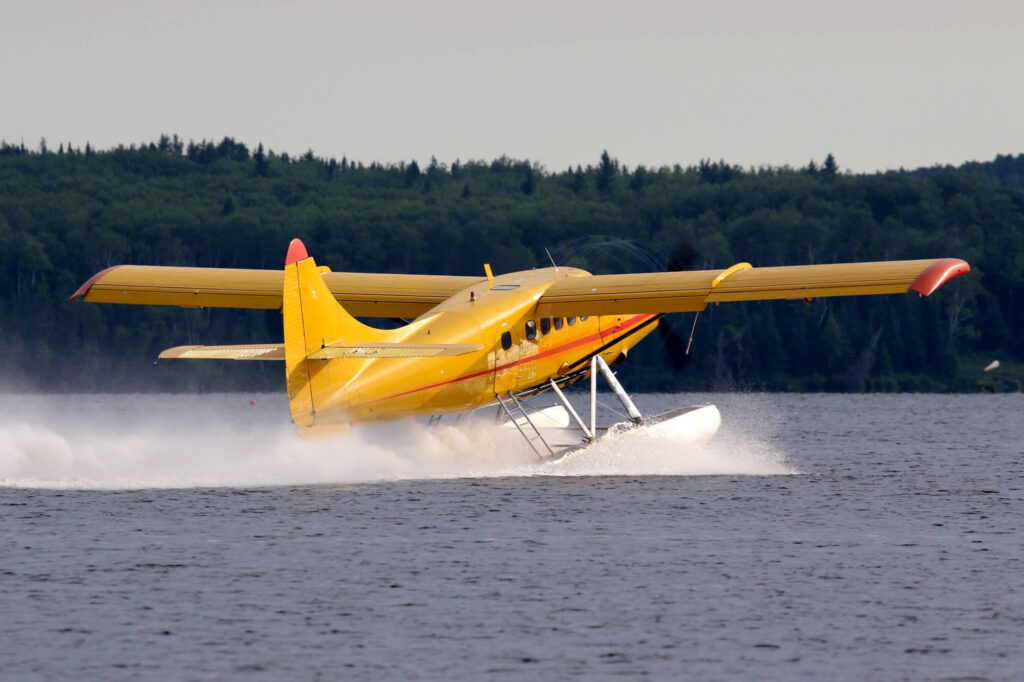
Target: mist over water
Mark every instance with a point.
(175, 441)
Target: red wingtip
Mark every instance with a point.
(84, 289)
(296, 252)
(938, 273)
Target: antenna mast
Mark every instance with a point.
(551, 259)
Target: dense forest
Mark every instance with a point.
(66, 213)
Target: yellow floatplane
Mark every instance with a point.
(495, 340)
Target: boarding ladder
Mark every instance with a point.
(517, 415)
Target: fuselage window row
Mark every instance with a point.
(549, 324)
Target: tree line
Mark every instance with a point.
(68, 212)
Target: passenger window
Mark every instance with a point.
(531, 330)
(545, 325)
(570, 321)
(583, 318)
(506, 340)
(558, 323)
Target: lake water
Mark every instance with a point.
(816, 537)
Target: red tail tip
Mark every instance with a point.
(296, 252)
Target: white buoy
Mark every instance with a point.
(992, 365)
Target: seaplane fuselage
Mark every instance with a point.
(520, 351)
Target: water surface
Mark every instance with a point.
(817, 537)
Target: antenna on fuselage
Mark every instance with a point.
(551, 259)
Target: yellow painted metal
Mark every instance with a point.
(362, 294)
(393, 350)
(451, 358)
(382, 295)
(298, 380)
(275, 351)
(814, 281)
(351, 389)
(258, 351)
(671, 292)
(729, 271)
(649, 292)
(315, 320)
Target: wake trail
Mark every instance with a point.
(137, 442)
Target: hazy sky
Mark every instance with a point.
(881, 84)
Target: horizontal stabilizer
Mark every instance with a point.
(392, 350)
(258, 351)
(336, 351)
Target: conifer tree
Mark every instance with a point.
(830, 168)
(412, 172)
(606, 172)
(262, 166)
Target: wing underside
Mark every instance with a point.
(363, 295)
(409, 296)
(692, 291)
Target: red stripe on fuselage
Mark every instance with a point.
(624, 326)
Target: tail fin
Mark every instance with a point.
(314, 319)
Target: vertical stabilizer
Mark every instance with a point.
(313, 319)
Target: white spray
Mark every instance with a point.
(160, 441)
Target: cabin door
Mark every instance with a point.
(609, 326)
(506, 354)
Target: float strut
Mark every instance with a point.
(620, 392)
(568, 406)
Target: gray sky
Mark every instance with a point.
(881, 84)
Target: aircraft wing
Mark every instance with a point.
(691, 291)
(363, 295)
